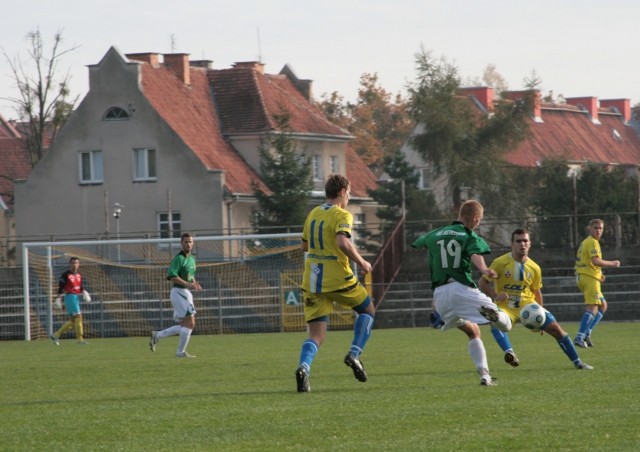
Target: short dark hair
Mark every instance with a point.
(185, 235)
(74, 258)
(334, 184)
(519, 231)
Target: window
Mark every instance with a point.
(167, 230)
(316, 163)
(333, 164)
(91, 169)
(359, 230)
(116, 114)
(144, 164)
(423, 179)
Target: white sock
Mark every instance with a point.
(503, 323)
(185, 335)
(479, 355)
(171, 331)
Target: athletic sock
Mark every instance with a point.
(78, 328)
(64, 328)
(501, 338)
(566, 344)
(171, 331)
(308, 353)
(361, 333)
(478, 354)
(594, 322)
(185, 335)
(587, 318)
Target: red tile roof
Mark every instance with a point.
(14, 160)
(568, 133)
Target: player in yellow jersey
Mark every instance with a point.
(518, 283)
(328, 278)
(589, 263)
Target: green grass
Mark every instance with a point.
(239, 394)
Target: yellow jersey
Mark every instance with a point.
(588, 249)
(516, 279)
(326, 267)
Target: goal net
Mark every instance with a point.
(250, 284)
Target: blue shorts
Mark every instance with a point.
(72, 303)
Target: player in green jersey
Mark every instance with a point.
(452, 250)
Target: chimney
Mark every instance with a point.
(622, 106)
(206, 64)
(304, 86)
(147, 57)
(537, 101)
(589, 103)
(179, 63)
(255, 65)
(481, 94)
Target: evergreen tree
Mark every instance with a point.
(287, 174)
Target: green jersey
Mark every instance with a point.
(450, 249)
(183, 266)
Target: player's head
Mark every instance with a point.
(596, 228)
(520, 243)
(471, 213)
(74, 263)
(186, 240)
(338, 186)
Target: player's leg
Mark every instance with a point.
(553, 328)
(502, 338)
(358, 299)
(186, 328)
(316, 312)
(79, 329)
(590, 289)
(477, 352)
(602, 308)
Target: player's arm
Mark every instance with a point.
(487, 287)
(304, 245)
(537, 294)
(348, 248)
(599, 262)
(481, 265)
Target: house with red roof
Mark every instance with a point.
(174, 144)
(580, 131)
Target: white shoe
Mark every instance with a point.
(185, 355)
(54, 339)
(583, 366)
(490, 313)
(83, 342)
(153, 341)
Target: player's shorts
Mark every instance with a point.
(590, 288)
(514, 314)
(182, 302)
(457, 303)
(72, 304)
(321, 304)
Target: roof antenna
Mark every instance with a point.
(259, 47)
(172, 37)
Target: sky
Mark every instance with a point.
(576, 47)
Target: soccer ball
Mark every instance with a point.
(532, 316)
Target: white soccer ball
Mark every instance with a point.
(533, 316)
(86, 297)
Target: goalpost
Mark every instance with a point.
(250, 284)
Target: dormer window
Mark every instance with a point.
(116, 114)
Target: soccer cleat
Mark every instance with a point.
(511, 359)
(153, 341)
(487, 381)
(587, 340)
(357, 367)
(489, 313)
(83, 342)
(583, 366)
(185, 355)
(54, 339)
(580, 343)
(302, 379)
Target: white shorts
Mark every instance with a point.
(457, 303)
(182, 302)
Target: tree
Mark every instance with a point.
(287, 173)
(43, 100)
(379, 122)
(459, 141)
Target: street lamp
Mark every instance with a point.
(573, 172)
(117, 212)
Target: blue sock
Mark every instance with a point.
(568, 348)
(361, 333)
(594, 322)
(501, 338)
(308, 352)
(587, 318)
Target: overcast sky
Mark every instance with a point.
(577, 47)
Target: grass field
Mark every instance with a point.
(239, 394)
